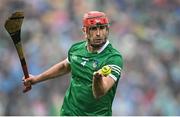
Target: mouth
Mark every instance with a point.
(98, 40)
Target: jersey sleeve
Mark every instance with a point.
(116, 65)
(73, 48)
(69, 55)
(67, 60)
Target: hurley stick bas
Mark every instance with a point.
(13, 27)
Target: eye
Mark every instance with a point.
(93, 28)
(102, 27)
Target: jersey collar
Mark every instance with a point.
(104, 46)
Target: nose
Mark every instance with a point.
(98, 32)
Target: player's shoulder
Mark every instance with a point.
(78, 45)
(113, 51)
(114, 56)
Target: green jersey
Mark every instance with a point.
(79, 99)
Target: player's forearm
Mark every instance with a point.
(99, 88)
(53, 72)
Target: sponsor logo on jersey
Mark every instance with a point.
(83, 63)
(95, 64)
(74, 57)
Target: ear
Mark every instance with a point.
(84, 31)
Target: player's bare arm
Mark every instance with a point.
(101, 84)
(58, 69)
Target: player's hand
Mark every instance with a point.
(104, 71)
(29, 81)
(97, 75)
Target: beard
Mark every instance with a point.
(97, 45)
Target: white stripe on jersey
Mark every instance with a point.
(67, 60)
(115, 66)
(116, 69)
(113, 77)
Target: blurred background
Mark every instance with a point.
(146, 32)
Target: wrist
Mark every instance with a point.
(37, 79)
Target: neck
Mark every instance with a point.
(92, 49)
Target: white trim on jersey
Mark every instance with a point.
(113, 77)
(104, 46)
(116, 69)
(115, 66)
(68, 60)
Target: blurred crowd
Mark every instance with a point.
(146, 32)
